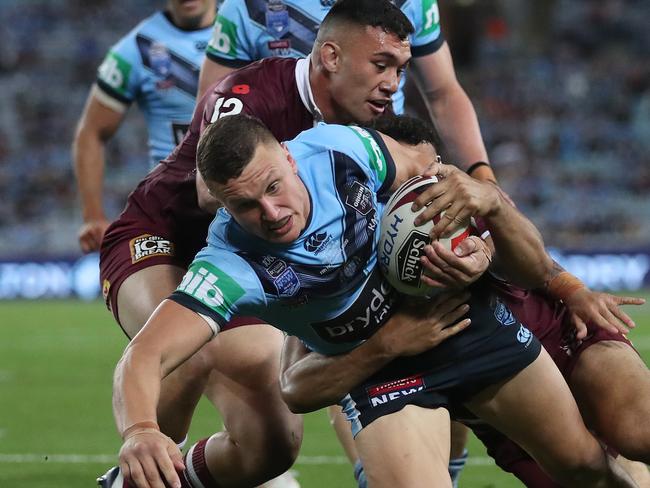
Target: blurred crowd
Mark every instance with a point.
(564, 108)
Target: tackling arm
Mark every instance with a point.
(310, 381)
(97, 125)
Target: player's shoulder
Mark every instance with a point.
(357, 143)
(265, 70)
(425, 17)
(335, 136)
(270, 77)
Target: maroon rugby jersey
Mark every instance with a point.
(167, 196)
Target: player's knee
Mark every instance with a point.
(635, 447)
(277, 444)
(581, 467)
(286, 443)
(279, 454)
(630, 436)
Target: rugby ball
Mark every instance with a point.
(401, 243)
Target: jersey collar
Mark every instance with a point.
(304, 89)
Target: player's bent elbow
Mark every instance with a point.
(294, 398)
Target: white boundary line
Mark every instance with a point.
(112, 459)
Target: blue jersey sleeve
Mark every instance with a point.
(119, 75)
(220, 284)
(233, 40)
(425, 16)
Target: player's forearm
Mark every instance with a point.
(519, 246)
(136, 387)
(316, 381)
(211, 72)
(88, 155)
(458, 127)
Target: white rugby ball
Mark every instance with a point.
(401, 243)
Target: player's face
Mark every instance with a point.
(268, 199)
(193, 14)
(371, 66)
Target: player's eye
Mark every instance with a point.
(381, 67)
(273, 187)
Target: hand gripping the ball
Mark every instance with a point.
(459, 196)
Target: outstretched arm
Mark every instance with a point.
(152, 354)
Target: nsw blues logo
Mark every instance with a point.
(160, 59)
(503, 314)
(287, 284)
(277, 18)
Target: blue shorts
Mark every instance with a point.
(495, 347)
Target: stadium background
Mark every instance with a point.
(562, 90)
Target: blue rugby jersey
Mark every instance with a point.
(325, 287)
(249, 30)
(157, 65)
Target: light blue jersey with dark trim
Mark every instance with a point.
(249, 30)
(157, 65)
(325, 287)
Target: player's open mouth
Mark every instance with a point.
(282, 226)
(378, 106)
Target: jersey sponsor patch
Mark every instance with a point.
(317, 241)
(430, 17)
(387, 392)
(224, 37)
(274, 266)
(369, 311)
(376, 156)
(147, 246)
(115, 72)
(503, 314)
(359, 198)
(524, 336)
(280, 47)
(211, 286)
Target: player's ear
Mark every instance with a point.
(330, 56)
(292, 162)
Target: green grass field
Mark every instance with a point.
(56, 427)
